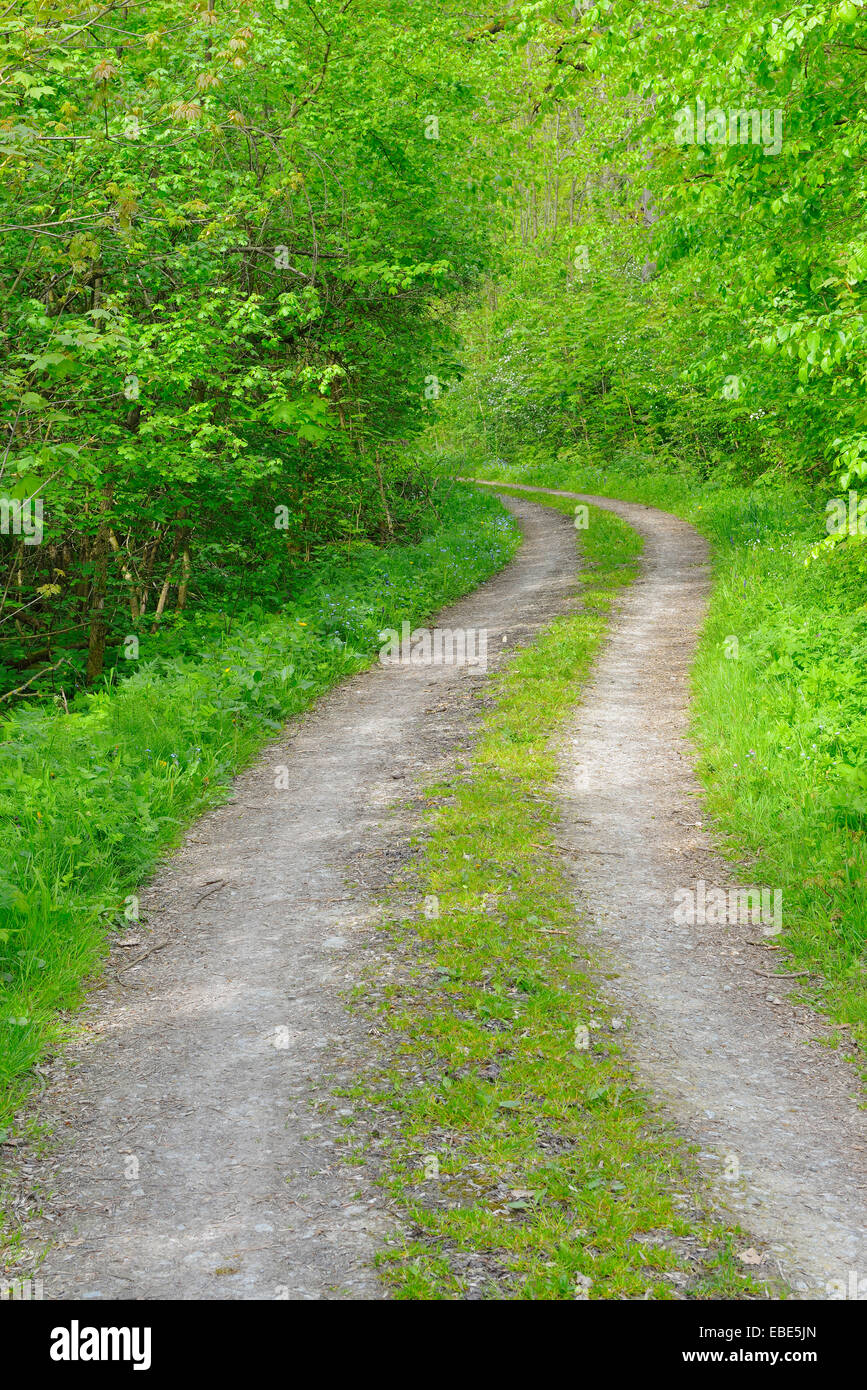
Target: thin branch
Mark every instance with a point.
(64, 661)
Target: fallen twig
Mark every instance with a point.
(159, 947)
(219, 883)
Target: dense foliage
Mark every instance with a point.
(226, 227)
(689, 253)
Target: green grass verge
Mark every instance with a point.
(779, 712)
(90, 798)
(526, 1160)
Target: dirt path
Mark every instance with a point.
(202, 1152)
(774, 1112)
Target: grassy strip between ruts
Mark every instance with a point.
(779, 713)
(90, 798)
(527, 1161)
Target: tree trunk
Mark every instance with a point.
(97, 634)
(164, 592)
(388, 520)
(186, 570)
